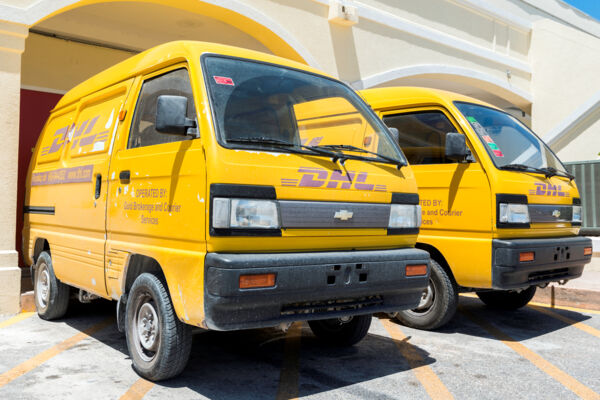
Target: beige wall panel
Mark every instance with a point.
(584, 144)
(565, 65)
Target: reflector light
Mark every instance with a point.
(257, 281)
(122, 115)
(526, 256)
(415, 270)
(587, 251)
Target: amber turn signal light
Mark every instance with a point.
(257, 281)
(527, 256)
(587, 251)
(415, 270)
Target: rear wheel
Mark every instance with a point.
(344, 331)
(159, 344)
(438, 302)
(507, 299)
(51, 295)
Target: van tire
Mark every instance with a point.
(51, 296)
(159, 348)
(341, 333)
(437, 309)
(507, 299)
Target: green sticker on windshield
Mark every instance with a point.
(493, 146)
(471, 119)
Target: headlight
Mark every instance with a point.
(405, 216)
(514, 213)
(245, 213)
(577, 214)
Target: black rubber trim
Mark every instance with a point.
(228, 190)
(403, 231)
(556, 259)
(243, 191)
(576, 201)
(510, 198)
(38, 210)
(405, 198)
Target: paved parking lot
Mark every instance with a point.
(533, 353)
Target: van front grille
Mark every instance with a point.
(329, 306)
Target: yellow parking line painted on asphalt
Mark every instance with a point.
(572, 322)
(44, 356)
(138, 390)
(15, 319)
(559, 375)
(568, 308)
(290, 370)
(433, 385)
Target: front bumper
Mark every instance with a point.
(309, 286)
(556, 259)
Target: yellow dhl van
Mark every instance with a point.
(177, 184)
(500, 212)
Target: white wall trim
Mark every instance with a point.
(497, 13)
(29, 16)
(568, 14)
(435, 36)
(43, 89)
(578, 116)
(439, 69)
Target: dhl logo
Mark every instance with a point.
(318, 177)
(546, 189)
(81, 135)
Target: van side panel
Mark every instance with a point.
(77, 184)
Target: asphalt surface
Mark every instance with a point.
(533, 353)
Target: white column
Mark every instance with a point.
(12, 44)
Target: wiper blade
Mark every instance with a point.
(556, 172)
(360, 150)
(293, 146)
(548, 172)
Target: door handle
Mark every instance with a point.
(124, 176)
(98, 186)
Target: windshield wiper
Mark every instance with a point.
(293, 146)
(548, 172)
(381, 157)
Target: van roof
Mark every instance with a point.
(381, 98)
(163, 55)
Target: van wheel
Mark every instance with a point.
(159, 344)
(507, 299)
(342, 332)
(51, 295)
(438, 302)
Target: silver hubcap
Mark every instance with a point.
(147, 327)
(426, 298)
(42, 286)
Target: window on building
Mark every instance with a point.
(143, 132)
(422, 135)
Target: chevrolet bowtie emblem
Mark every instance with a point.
(556, 213)
(343, 215)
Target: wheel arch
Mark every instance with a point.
(439, 257)
(41, 244)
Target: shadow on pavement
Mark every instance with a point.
(522, 324)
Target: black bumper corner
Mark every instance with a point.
(309, 286)
(556, 259)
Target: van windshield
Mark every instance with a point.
(510, 144)
(265, 106)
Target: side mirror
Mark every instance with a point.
(456, 147)
(171, 117)
(395, 134)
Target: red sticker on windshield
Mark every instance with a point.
(223, 80)
(488, 139)
(498, 153)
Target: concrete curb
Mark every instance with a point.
(570, 297)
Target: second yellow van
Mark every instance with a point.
(501, 213)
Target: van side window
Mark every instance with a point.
(422, 135)
(142, 131)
